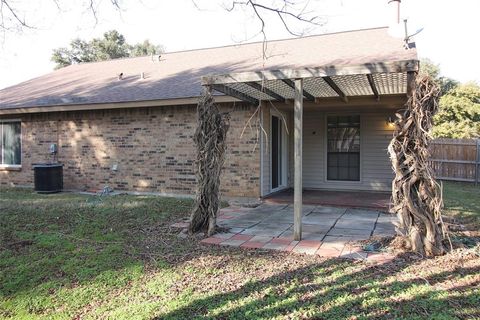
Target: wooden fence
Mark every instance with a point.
(456, 159)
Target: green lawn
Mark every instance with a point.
(71, 256)
(462, 200)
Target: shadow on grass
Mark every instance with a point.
(80, 250)
(328, 290)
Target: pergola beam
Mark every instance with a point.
(335, 88)
(373, 86)
(291, 84)
(234, 93)
(265, 90)
(302, 73)
(362, 101)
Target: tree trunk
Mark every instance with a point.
(416, 196)
(209, 138)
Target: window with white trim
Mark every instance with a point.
(343, 150)
(10, 143)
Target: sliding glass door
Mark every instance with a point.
(278, 154)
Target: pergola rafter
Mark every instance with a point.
(266, 90)
(234, 93)
(305, 94)
(335, 88)
(373, 86)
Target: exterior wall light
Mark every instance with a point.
(390, 122)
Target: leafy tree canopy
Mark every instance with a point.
(459, 112)
(112, 46)
(428, 67)
(459, 115)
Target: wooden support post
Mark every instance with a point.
(477, 162)
(411, 75)
(298, 143)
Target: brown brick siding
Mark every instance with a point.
(152, 147)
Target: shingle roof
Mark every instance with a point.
(177, 74)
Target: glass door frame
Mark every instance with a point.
(283, 154)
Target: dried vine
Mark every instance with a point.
(210, 141)
(416, 196)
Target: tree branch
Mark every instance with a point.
(11, 16)
(282, 12)
(298, 17)
(13, 13)
(94, 11)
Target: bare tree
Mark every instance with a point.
(416, 196)
(287, 12)
(13, 15)
(210, 141)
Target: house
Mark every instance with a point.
(128, 123)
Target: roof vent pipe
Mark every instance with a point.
(142, 75)
(395, 29)
(156, 57)
(395, 5)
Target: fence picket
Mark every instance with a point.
(456, 159)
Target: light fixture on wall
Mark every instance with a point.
(390, 122)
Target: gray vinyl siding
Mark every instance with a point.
(375, 168)
(313, 149)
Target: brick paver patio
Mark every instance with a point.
(327, 231)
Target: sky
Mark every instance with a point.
(449, 36)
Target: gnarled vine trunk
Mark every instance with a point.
(416, 196)
(210, 141)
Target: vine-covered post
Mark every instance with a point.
(210, 141)
(416, 196)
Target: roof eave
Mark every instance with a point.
(112, 105)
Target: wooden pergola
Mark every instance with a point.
(371, 81)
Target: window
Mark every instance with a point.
(343, 150)
(10, 143)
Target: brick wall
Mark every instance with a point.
(152, 148)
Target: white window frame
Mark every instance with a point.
(12, 166)
(325, 152)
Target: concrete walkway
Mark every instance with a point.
(327, 231)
